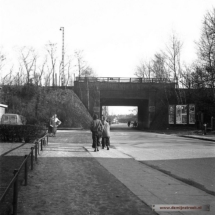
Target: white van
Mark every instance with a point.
(13, 119)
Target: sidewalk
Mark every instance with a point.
(72, 179)
(207, 137)
(68, 180)
(210, 136)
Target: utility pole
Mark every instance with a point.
(62, 71)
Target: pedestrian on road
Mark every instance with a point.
(96, 128)
(105, 134)
(54, 123)
(129, 123)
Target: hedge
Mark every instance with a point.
(28, 133)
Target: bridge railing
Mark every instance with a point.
(124, 80)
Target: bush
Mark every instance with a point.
(28, 133)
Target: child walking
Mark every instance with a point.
(105, 134)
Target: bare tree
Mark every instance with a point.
(40, 73)
(88, 72)
(19, 78)
(173, 57)
(206, 51)
(81, 63)
(67, 79)
(8, 78)
(159, 66)
(68, 76)
(51, 48)
(28, 62)
(2, 59)
(47, 77)
(144, 70)
(186, 80)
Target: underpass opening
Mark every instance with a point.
(141, 105)
(121, 117)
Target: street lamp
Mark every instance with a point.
(62, 73)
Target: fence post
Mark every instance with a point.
(32, 158)
(41, 142)
(47, 139)
(38, 148)
(15, 193)
(212, 123)
(26, 171)
(36, 151)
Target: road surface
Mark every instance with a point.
(185, 158)
(156, 168)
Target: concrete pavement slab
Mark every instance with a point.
(145, 182)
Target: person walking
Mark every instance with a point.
(105, 134)
(96, 128)
(129, 123)
(54, 123)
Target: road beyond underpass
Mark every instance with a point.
(141, 169)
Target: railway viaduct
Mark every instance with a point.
(142, 93)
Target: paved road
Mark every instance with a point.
(184, 158)
(68, 179)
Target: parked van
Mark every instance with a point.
(13, 119)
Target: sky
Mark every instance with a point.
(120, 110)
(115, 35)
